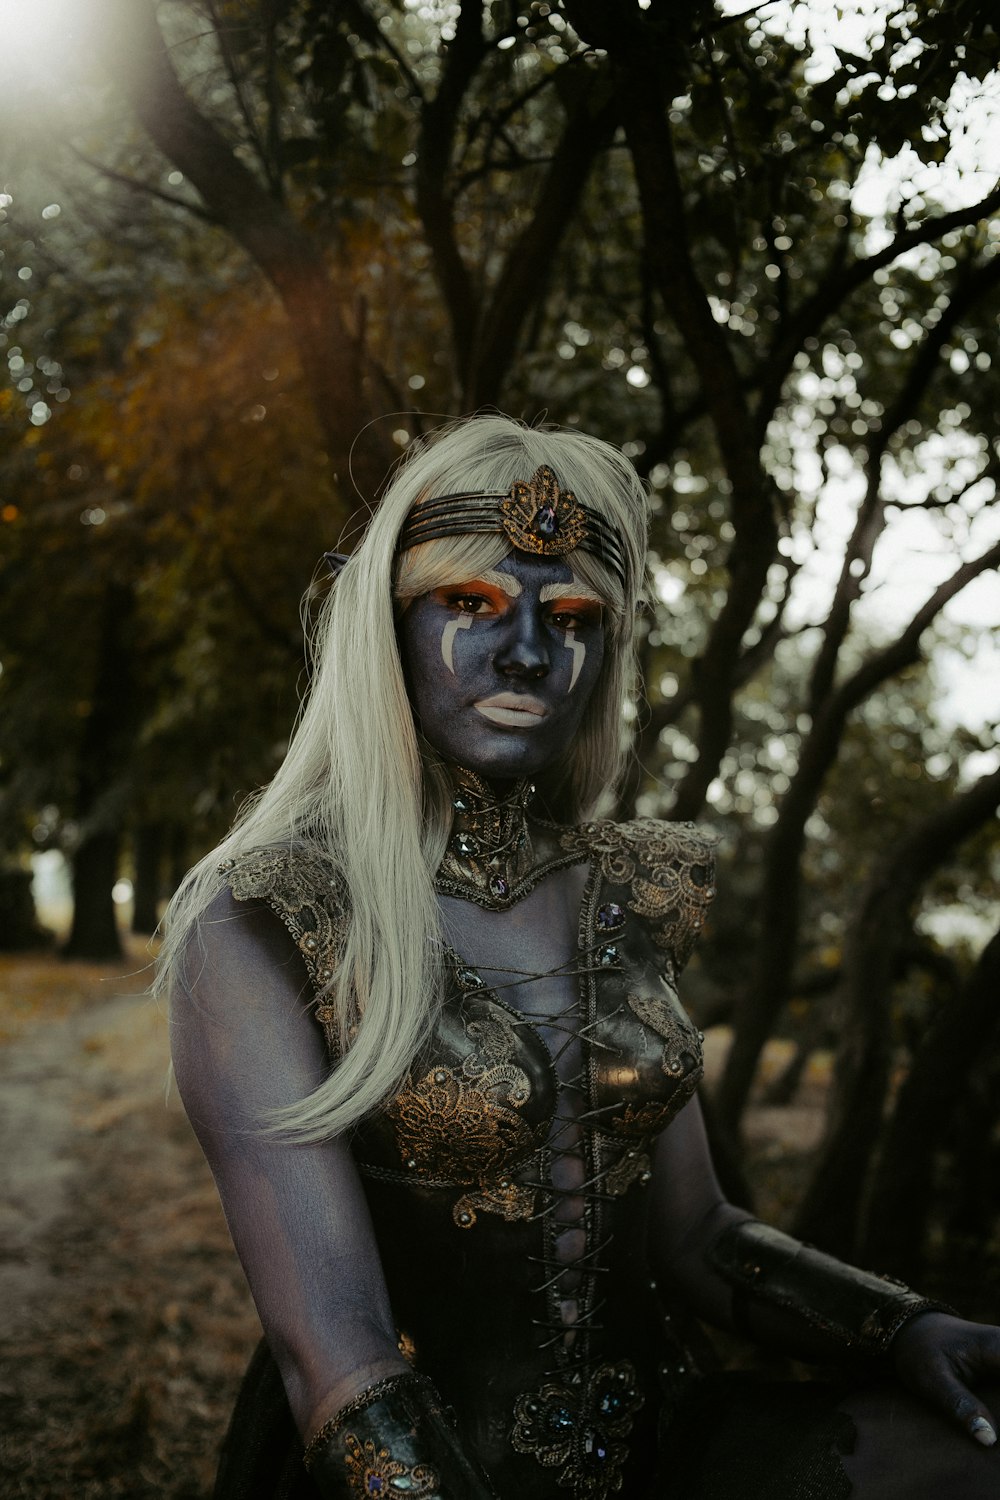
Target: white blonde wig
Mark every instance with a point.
(358, 781)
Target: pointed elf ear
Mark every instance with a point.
(335, 562)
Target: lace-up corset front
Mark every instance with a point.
(505, 1178)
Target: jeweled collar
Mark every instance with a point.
(490, 851)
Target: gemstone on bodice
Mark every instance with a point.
(610, 917)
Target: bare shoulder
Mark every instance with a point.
(304, 889)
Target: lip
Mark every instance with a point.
(515, 710)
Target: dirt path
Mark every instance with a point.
(124, 1322)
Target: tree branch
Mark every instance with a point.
(781, 888)
(264, 228)
(832, 293)
(871, 515)
(831, 1206)
(221, 29)
(145, 188)
(530, 260)
(435, 201)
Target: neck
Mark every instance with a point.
(490, 845)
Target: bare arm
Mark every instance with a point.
(687, 1211)
(243, 1043)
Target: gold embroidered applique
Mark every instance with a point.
(464, 1129)
(580, 1429)
(633, 1166)
(645, 1122)
(669, 867)
(373, 1472)
(511, 1200)
(406, 1346)
(682, 1055)
(462, 1125)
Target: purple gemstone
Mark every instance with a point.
(610, 917)
(374, 1484)
(498, 885)
(546, 521)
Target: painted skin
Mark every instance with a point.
(500, 668)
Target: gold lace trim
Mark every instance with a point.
(669, 867)
(307, 893)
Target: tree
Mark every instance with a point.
(644, 220)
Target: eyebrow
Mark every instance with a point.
(569, 591)
(499, 580)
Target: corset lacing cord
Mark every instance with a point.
(573, 968)
(587, 1264)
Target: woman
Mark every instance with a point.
(474, 1243)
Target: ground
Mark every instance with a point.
(124, 1320)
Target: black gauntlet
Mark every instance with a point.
(393, 1441)
(857, 1310)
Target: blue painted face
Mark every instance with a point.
(500, 668)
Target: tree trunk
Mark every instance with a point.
(105, 748)
(901, 1191)
(94, 934)
(832, 1205)
(178, 855)
(148, 882)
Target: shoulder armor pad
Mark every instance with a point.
(303, 887)
(667, 868)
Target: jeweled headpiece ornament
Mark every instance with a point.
(535, 515)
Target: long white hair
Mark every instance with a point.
(360, 784)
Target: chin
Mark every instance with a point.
(512, 756)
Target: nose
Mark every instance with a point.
(524, 650)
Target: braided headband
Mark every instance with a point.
(535, 515)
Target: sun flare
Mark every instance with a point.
(42, 42)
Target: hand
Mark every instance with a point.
(939, 1357)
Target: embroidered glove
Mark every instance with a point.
(395, 1439)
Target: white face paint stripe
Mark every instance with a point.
(579, 651)
(458, 622)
